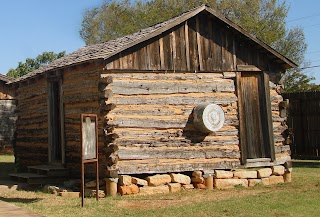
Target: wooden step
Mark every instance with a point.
(49, 170)
(30, 178)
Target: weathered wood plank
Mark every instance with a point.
(194, 61)
(186, 31)
(199, 45)
(153, 55)
(173, 39)
(215, 45)
(167, 50)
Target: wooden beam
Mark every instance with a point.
(248, 68)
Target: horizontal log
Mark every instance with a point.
(159, 110)
(76, 137)
(278, 138)
(276, 98)
(173, 165)
(177, 99)
(81, 97)
(282, 149)
(29, 150)
(79, 105)
(43, 103)
(31, 94)
(41, 84)
(146, 133)
(78, 75)
(31, 126)
(27, 121)
(79, 110)
(161, 122)
(165, 87)
(106, 79)
(44, 139)
(106, 94)
(278, 119)
(165, 76)
(81, 92)
(177, 153)
(34, 131)
(175, 143)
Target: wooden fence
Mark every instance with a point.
(304, 120)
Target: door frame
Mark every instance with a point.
(55, 77)
(267, 110)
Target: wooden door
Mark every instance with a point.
(56, 147)
(256, 135)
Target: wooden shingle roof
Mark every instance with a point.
(6, 78)
(110, 48)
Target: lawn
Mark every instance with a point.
(299, 198)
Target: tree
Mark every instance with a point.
(263, 18)
(32, 64)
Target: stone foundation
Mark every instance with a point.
(173, 182)
(220, 179)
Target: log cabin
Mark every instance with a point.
(151, 91)
(7, 112)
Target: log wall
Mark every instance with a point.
(282, 148)
(151, 123)
(32, 124)
(7, 114)
(80, 95)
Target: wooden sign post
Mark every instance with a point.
(89, 149)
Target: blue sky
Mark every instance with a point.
(31, 27)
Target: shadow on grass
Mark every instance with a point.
(6, 168)
(20, 200)
(306, 164)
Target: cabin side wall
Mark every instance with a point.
(32, 124)
(152, 123)
(153, 120)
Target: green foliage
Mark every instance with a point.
(263, 18)
(32, 64)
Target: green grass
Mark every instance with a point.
(299, 198)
